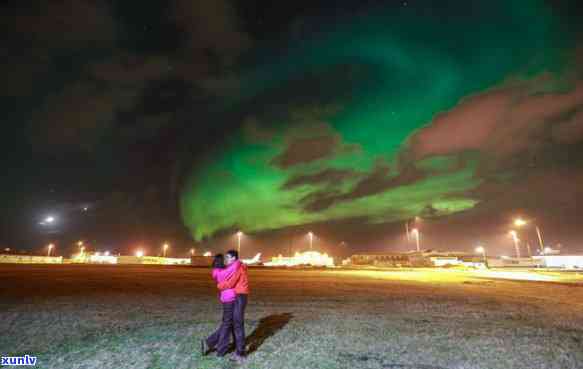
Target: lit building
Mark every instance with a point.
(561, 261)
(102, 259)
(426, 258)
(380, 259)
(312, 258)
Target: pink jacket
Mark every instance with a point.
(220, 275)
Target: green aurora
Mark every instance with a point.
(325, 125)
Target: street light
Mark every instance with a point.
(514, 236)
(416, 220)
(482, 250)
(311, 236)
(239, 235)
(50, 247)
(164, 249)
(191, 252)
(139, 253)
(415, 233)
(519, 222)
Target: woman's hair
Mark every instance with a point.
(218, 261)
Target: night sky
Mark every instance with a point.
(139, 122)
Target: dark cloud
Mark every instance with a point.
(212, 31)
(569, 131)
(325, 177)
(320, 200)
(502, 122)
(34, 33)
(377, 181)
(307, 150)
(116, 91)
(78, 117)
(130, 69)
(59, 24)
(256, 133)
(311, 141)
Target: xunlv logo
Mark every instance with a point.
(19, 360)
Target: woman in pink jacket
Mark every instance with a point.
(221, 338)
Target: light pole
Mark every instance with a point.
(239, 235)
(164, 249)
(482, 250)
(540, 239)
(50, 247)
(311, 236)
(519, 222)
(514, 236)
(415, 232)
(415, 221)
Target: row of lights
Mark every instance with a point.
(239, 236)
(518, 222)
(139, 253)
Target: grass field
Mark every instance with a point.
(133, 317)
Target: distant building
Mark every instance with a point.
(505, 261)
(426, 258)
(561, 261)
(381, 259)
(157, 260)
(102, 259)
(30, 259)
(312, 258)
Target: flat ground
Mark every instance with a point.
(133, 317)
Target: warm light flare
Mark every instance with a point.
(519, 222)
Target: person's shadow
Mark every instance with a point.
(267, 327)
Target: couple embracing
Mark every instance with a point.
(231, 277)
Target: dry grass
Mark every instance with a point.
(150, 317)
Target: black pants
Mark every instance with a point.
(221, 338)
(239, 323)
(233, 324)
